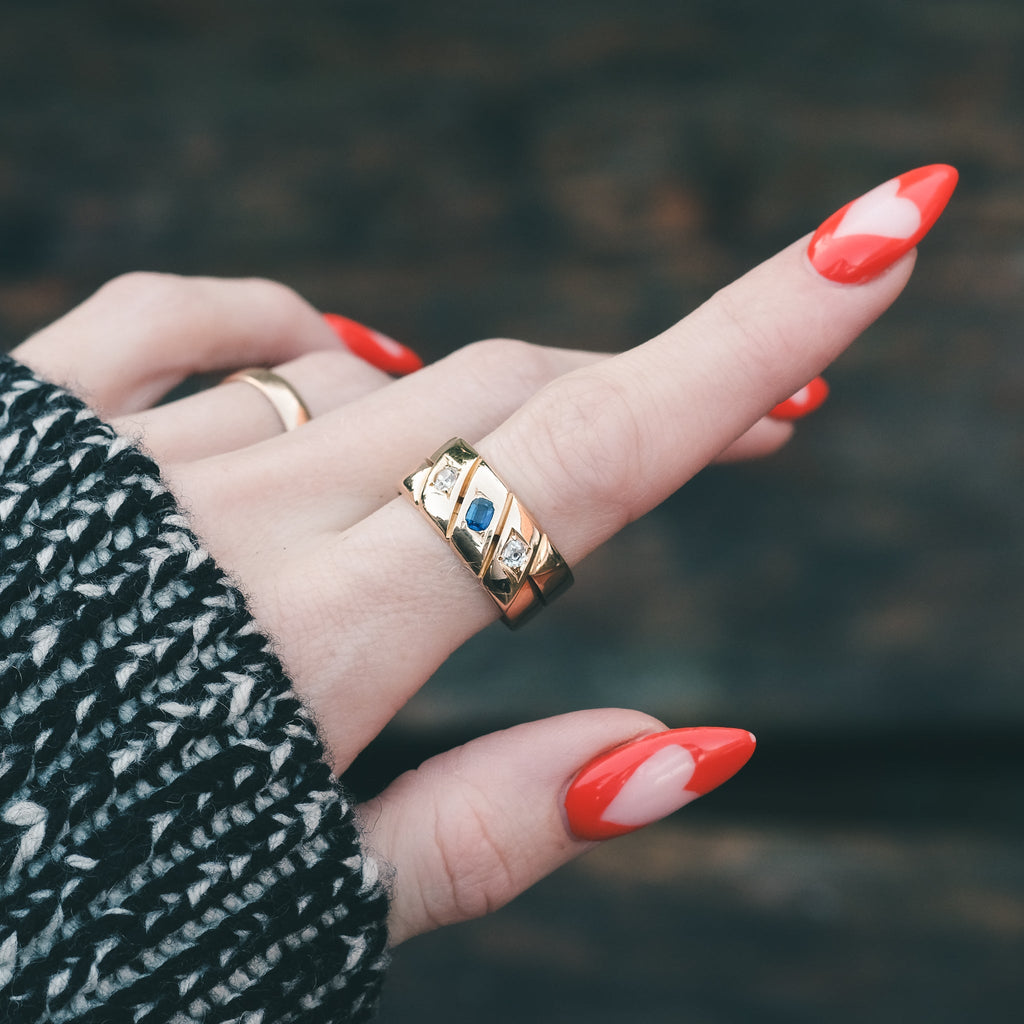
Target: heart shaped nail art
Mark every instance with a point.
(883, 212)
(656, 788)
(868, 235)
(649, 778)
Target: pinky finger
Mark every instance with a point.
(474, 827)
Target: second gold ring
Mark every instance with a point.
(289, 406)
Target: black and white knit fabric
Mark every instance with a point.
(173, 847)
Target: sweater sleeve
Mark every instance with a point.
(173, 847)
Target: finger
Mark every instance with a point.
(474, 827)
(588, 454)
(233, 415)
(209, 424)
(216, 421)
(142, 334)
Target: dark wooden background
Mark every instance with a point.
(583, 174)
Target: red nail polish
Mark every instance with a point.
(863, 238)
(810, 397)
(646, 779)
(377, 349)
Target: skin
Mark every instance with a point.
(309, 524)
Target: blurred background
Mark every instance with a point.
(583, 174)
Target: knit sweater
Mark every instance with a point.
(173, 847)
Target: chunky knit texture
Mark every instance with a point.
(172, 845)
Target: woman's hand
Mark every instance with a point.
(362, 595)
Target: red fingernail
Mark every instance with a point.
(646, 779)
(810, 397)
(377, 349)
(863, 238)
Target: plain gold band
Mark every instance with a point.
(290, 408)
(496, 538)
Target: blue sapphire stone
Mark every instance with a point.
(480, 514)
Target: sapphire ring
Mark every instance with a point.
(496, 538)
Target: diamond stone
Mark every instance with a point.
(480, 514)
(445, 480)
(515, 553)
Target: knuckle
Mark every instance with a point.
(273, 293)
(588, 439)
(200, 298)
(279, 305)
(473, 875)
(517, 367)
(756, 333)
(143, 288)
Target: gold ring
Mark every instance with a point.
(290, 408)
(497, 539)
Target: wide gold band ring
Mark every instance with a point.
(290, 408)
(497, 539)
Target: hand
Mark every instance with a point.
(363, 596)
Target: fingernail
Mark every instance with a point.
(377, 349)
(646, 779)
(810, 397)
(863, 238)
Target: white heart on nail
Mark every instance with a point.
(881, 212)
(655, 789)
(388, 344)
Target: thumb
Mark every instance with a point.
(474, 827)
